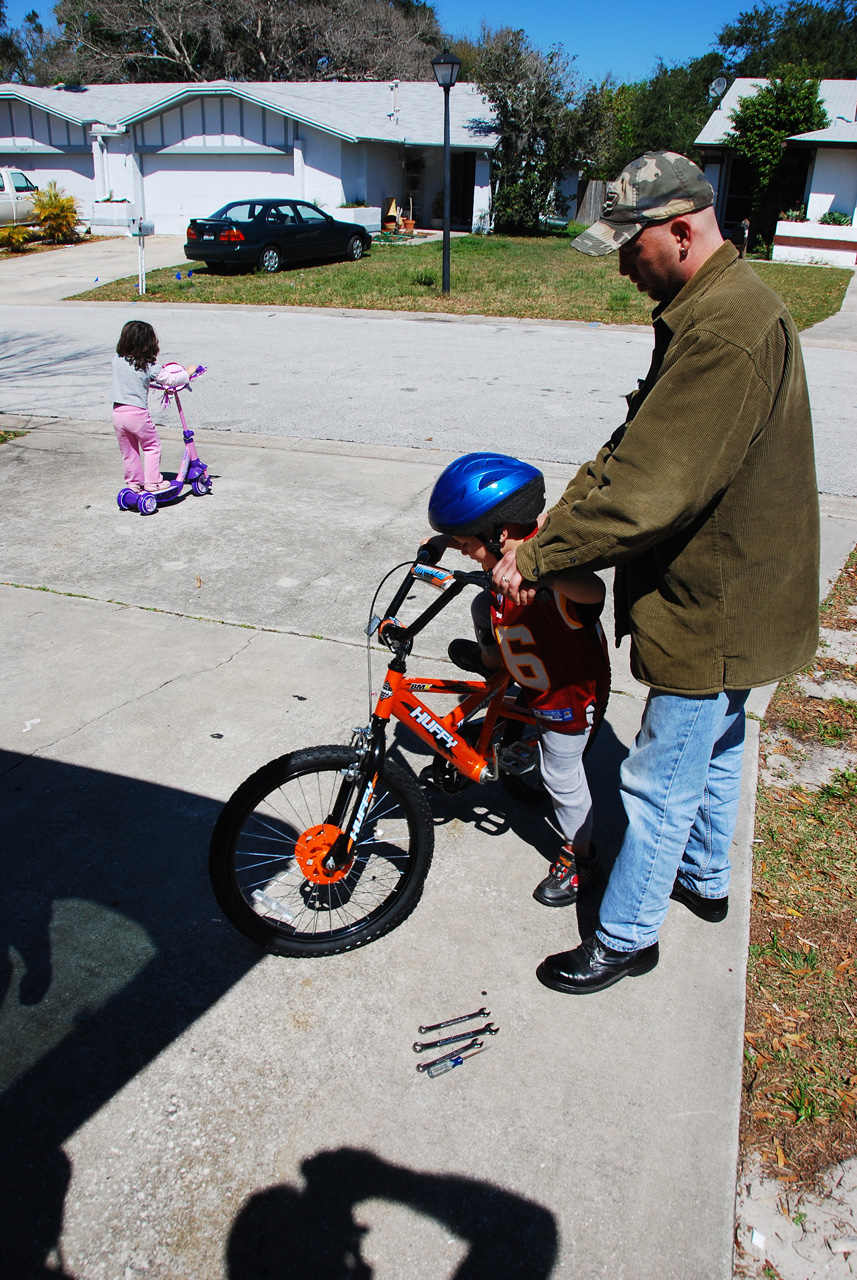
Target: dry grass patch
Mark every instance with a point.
(800, 1076)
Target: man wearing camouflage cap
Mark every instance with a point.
(705, 501)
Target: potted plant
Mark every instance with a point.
(408, 223)
(390, 216)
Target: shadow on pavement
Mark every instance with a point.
(111, 945)
(283, 1233)
(31, 357)
(492, 810)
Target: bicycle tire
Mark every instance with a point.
(291, 915)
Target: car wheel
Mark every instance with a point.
(270, 259)
(354, 249)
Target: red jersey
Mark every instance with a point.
(560, 661)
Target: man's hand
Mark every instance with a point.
(508, 581)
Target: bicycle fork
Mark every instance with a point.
(356, 793)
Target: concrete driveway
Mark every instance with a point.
(47, 277)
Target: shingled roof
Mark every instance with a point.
(408, 111)
(839, 98)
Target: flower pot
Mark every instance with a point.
(408, 225)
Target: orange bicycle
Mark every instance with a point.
(326, 849)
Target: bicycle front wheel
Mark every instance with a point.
(266, 838)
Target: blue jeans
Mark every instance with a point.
(680, 786)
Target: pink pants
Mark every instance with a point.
(136, 433)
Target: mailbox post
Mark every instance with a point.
(139, 230)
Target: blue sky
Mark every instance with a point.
(624, 37)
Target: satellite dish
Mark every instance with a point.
(717, 87)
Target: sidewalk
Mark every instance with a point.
(838, 331)
(170, 1092)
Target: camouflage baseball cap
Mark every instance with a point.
(657, 187)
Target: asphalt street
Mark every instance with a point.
(425, 382)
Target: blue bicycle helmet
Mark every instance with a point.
(482, 491)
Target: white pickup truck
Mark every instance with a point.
(16, 197)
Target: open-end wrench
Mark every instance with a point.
(453, 1053)
(488, 1030)
(453, 1022)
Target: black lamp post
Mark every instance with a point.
(446, 68)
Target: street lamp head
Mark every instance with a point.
(446, 68)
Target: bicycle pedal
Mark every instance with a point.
(520, 758)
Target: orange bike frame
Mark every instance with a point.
(398, 699)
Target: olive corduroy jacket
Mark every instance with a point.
(705, 498)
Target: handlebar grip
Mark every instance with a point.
(483, 578)
(430, 552)
(476, 577)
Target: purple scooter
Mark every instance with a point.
(192, 471)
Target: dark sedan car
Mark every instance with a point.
(270, 233)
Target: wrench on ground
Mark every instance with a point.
(488, 1030)
(452, 1022)
(453, 1053)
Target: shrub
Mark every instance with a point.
(15, 239)
(833, 219)
(57, 214)
(794, 215)
(761, 249)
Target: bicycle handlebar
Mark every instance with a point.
(483, 578)
(390, 630)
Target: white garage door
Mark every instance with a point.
(72, 174)
(178, 188)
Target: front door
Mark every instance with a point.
(462, 181)
(318, 236)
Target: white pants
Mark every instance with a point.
(565, 780)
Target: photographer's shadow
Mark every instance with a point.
(283, 1233)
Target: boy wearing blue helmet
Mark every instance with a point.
(486, 504)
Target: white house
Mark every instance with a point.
(176, 151)
(831, 181)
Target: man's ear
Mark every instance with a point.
(682, 232)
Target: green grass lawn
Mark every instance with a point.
(490, 276)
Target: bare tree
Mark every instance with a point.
(158, 40)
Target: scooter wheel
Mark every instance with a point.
(126, 500)
(201, 486)
(147, 504)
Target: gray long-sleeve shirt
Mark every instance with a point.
(130, 385)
